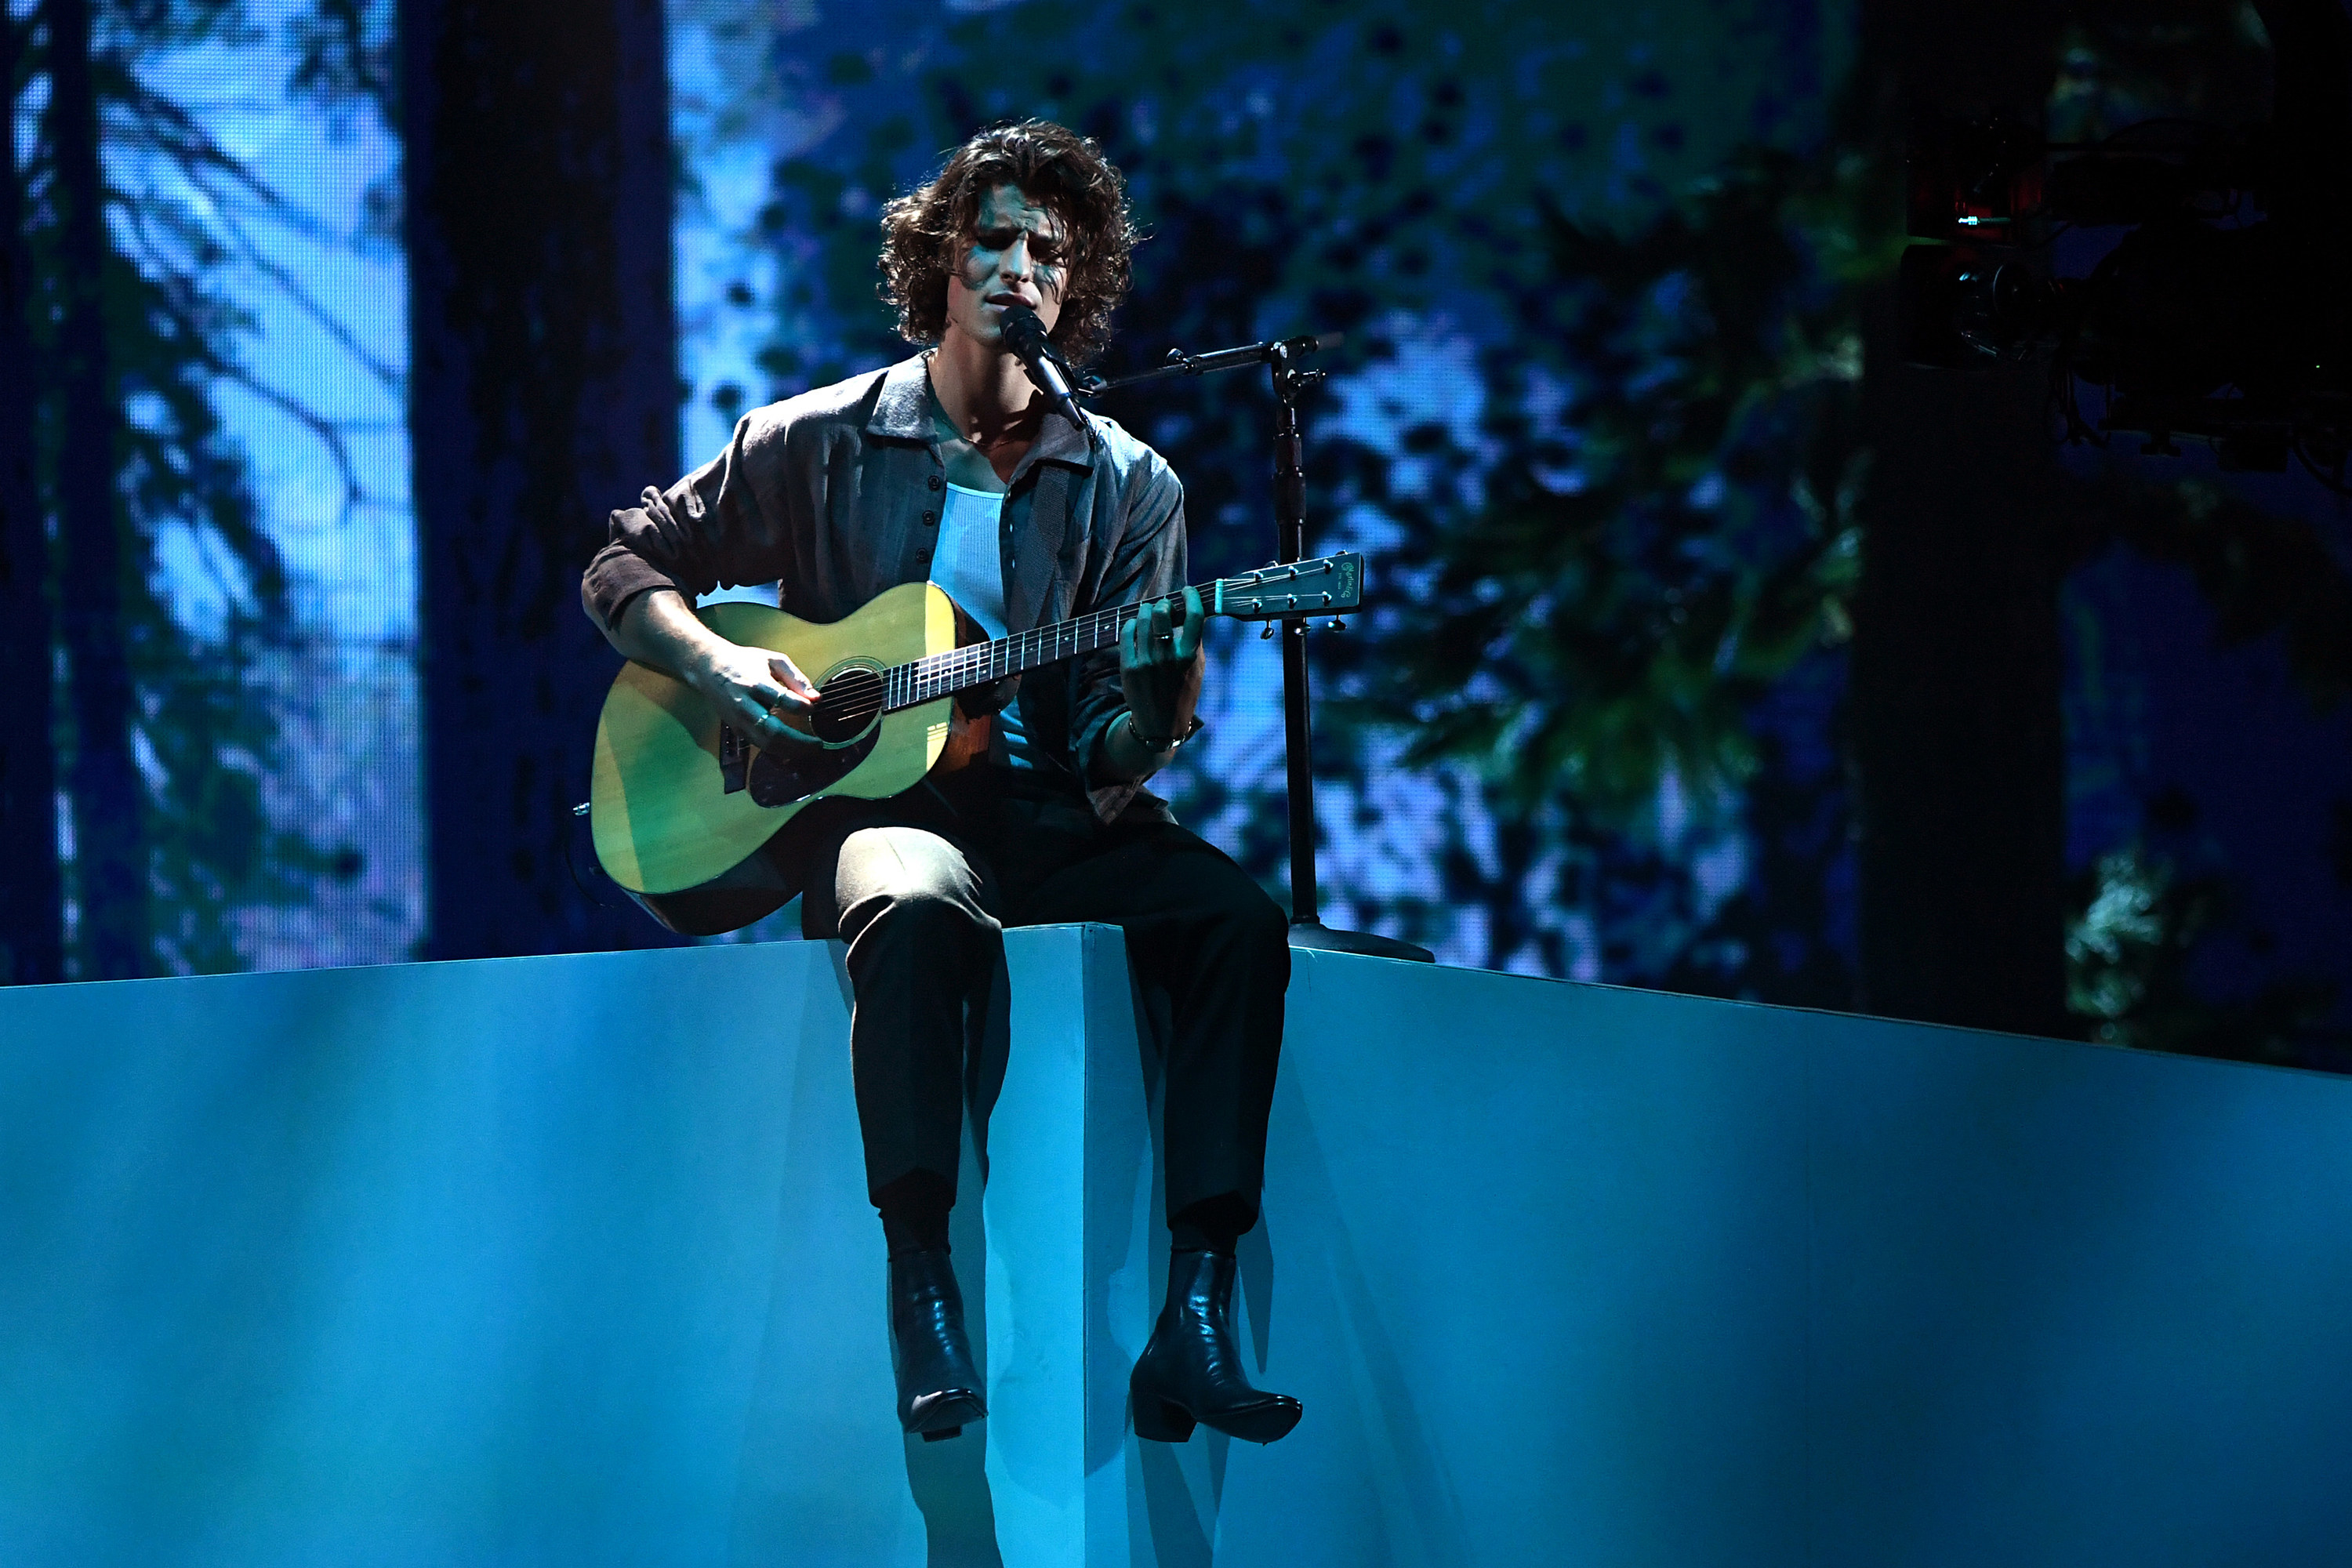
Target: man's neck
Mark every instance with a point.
(984, 391)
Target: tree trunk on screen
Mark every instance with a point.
(110, 856)
(543, 392)
(1958, 749)
(32, 902)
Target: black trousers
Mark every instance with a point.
(921, 887)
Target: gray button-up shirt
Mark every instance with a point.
(836, 495)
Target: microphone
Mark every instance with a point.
(1025, 334)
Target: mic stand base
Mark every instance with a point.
(1314, 933)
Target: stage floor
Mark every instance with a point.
(567, 1261)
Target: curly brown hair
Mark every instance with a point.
(924, 232)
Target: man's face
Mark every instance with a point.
(1013, 257)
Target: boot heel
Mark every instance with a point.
(1161, 1422)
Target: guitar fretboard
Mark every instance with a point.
(984, 664)
(1296, 588)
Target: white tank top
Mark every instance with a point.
(970, 565)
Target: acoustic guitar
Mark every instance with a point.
(682, 807)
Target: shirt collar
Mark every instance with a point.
(903, 413)
(1058, 441)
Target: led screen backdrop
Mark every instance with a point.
(1597, 270)
(1382, 172)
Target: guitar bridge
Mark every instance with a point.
(734, 759)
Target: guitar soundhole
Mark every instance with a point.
(846, 704)
(847, 720)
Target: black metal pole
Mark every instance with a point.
(1307, 927)
(1290, 544)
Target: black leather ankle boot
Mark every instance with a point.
(939, 1387)
(1191, 1370)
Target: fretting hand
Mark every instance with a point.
(1159, 666)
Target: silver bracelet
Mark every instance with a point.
(1166, 748)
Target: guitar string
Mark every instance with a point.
(937, 675)
(997, 660)
(925, 680)
(958, 669)
(940, 675)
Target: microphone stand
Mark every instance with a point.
(1307, 927)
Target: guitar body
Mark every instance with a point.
(671, 830)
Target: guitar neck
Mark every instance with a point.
(1285, 589)
(984, 664)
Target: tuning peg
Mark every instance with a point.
(1265, 631)
(1335, 626)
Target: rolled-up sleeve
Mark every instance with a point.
(723, 525)
(1150, 561)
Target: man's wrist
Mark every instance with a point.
(1162, 748)
(1125, 758)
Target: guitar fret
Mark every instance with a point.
(941, 675)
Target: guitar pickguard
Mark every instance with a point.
(785, 777)
(847, 720)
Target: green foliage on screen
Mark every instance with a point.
(1367, 169)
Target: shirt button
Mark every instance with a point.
(931, 519)
(936, 481)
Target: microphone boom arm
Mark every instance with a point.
(1181, 364)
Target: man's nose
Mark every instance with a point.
(1016, 262)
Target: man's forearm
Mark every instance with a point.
(658, 628)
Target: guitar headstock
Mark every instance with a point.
(1324, 586)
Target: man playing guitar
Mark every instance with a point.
(947, 467)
